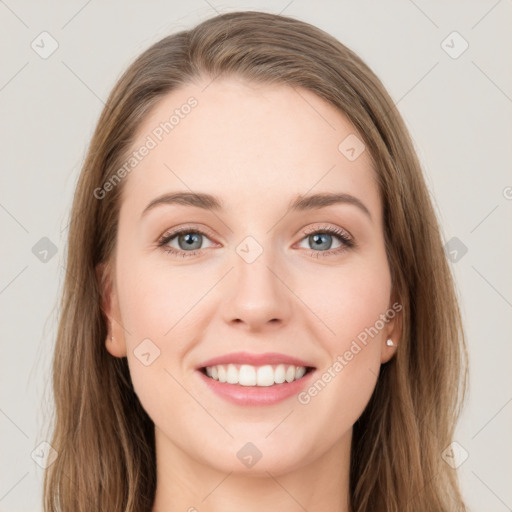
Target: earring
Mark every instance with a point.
(389, 342)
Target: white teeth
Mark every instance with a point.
(265, 376)
(232, 375)
(300, 372)
(280, 374)
(247, 375)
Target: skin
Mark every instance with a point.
(256, 147)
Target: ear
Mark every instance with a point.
(393, 329)
(115, 342)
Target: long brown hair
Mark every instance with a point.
(104, 438)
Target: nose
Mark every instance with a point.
(258, 297)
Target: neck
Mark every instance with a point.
(185, 484)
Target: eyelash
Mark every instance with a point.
(342, 235)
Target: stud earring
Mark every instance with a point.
(389, 342)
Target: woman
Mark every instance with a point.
(257, 310)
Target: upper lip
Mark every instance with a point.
(254, 359)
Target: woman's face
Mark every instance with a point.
(250, 273)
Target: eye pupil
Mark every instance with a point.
(190, 239)
(321, 238)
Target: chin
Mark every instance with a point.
(257, 456)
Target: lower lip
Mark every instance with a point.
(256, 395)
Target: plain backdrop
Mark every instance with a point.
(445, 63)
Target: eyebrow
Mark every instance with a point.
(317, 201)
(300, 203)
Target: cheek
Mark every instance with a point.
(155, 302)
(153, 308)
(357, 299)
(352, 311)
(350, 301)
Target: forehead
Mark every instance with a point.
(248, 143)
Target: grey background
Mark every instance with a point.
(458, 111)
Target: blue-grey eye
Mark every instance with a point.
(321, 241)
(187, 240)
(190, 241)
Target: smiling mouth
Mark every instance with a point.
(257, 376)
